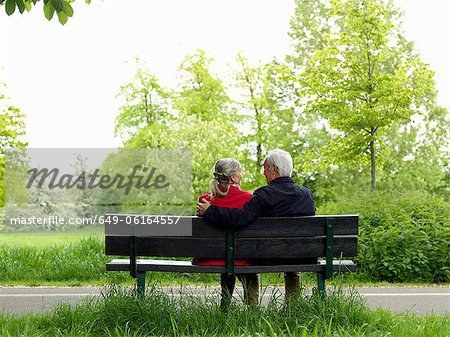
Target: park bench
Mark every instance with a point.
(333, 238)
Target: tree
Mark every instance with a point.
(146, 107)
(200, 93)
(62, 8)
(205, 118)
(309, 28)
(254, 81)
(363, 78)
(419, 155)
(12, 133)
(267, 107)
(201, 116)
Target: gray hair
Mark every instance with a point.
(223, 170)
(282, 160)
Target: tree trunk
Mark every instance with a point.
(372, 159)
(258, 155)
(258, 137)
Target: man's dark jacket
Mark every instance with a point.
(283, 197)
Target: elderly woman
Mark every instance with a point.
(225, 192)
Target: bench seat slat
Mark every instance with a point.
(187, 267)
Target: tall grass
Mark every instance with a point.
(119, 312)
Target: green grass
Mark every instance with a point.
(119, 313)
(73, 263)
(51, 238)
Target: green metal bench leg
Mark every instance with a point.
(321, 283)
(140, 282)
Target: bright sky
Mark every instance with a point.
(65, 78)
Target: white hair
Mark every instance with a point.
(282, 160)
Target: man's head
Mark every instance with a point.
(277, 164)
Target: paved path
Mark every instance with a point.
(420, 300)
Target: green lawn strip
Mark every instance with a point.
(119, 313)
(51, 238)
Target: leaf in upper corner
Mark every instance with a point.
(10, 7)
(49, 10)
(57, 4)
(28, 6)
(67, 9)
(62, 17)
(21, 6)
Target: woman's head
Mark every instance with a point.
(226, 171)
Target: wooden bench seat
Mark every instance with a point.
(188, 267)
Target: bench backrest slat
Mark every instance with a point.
(244, 247)
(298, 227)
(262, 227)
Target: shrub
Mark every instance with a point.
(403, 237)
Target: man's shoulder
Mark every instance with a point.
(305, 189)
(261, 190)
(263, 193)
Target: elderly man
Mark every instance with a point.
(281, 197)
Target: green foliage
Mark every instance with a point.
(201, 93)
(12, 132)
(267, 107)
(12, 125)
(403, 237)
(63, 8)
(309, 29)
(417, 156)
(146, 106)
(201, 117)
(362, 76)
(254, 81)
